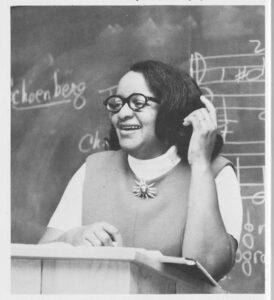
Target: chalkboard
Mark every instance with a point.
(66, 60)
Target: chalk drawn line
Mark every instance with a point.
(41, 105)
(251, 167)
(239, 108)
(245, 154)
(235, 95)
(251, 197)
(230, 56)
(231, 81)
(227, 67)
(244, 142)
(109, 89)
(251, 184)
(226, 121)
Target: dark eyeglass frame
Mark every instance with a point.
(127, 100)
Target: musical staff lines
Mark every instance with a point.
(224, 78)
(251, 190)
(235, 83)
(236, 95)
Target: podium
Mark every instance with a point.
(60, 268)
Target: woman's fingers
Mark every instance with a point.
(114, 232)
(210, 124)
(97, 234)
(203, 117)
(82, 242)
(104, 237)
(118, 240)
(191, 119)
(210, 107)
(92, 239)
(204, 123)
(187, 120)
(197, 119)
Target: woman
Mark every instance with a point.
(164, 188)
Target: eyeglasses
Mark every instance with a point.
(135, 101)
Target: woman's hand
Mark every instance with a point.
(204, 123)
(96, 234)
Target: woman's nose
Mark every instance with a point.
(125, 111)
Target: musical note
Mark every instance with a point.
(249, 257)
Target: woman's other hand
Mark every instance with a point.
(204, 123)
(96, 235)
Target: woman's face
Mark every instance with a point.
(136, 129)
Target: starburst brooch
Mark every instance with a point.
(144, 190)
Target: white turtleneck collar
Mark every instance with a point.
(149, 169)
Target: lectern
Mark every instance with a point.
(60, 268)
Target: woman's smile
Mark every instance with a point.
(126, 130)
(129, 127)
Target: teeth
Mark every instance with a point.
(130, 127)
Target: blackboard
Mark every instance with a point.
(66, 60)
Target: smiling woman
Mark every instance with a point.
(163, 186)
(135, 128)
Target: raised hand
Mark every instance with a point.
(204, 123)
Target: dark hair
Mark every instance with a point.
(179, 95)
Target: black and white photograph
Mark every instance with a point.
(139, 148)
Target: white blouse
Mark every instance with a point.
(68, 213)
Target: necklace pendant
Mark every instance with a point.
(144, 190)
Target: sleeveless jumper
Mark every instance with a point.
(154, 224)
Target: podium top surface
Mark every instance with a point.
(176, 267)
(66, 251)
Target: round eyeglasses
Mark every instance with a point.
(135, 101)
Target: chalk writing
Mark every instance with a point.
(24, 99)
(261, 229)
(258, 198)
(90, 142)
(258, 46)
(110, 90)
(261, 116)
(247, 258)
(223, 120)
(248, 226)
(245, 154)
(247, 74)
(223, 74)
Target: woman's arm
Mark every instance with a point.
(205, 238)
